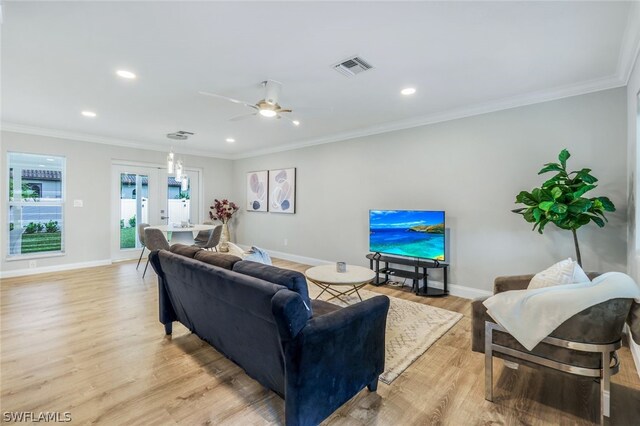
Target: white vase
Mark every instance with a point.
(224, 238)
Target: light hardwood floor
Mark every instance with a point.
(89, 342)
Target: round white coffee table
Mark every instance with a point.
(328, 279)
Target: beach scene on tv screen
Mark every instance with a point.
(407, 233)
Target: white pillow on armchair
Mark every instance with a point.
(564, 272)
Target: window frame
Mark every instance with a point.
(61, 202)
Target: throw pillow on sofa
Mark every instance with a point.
(184, 250)
(564, 272)
(294, 281)
(221, 260)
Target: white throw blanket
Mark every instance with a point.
(531, 315)
(255, 254)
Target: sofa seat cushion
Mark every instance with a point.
(221, 260)
(320, 307)
(293, 280)
(184, 250)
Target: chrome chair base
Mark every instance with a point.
(603, 373)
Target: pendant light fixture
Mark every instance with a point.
(176, 165)
(179, 170)
(170, 162)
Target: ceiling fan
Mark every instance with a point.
(267, 107)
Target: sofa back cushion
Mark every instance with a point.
(184, 250)
(221, 260)
(230, 311)
(292, 280)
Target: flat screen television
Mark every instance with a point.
(412, 233)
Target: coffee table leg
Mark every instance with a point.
(355, 288)
(322, 292)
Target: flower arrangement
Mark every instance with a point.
(222, 210)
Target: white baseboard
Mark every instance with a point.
(461, 290)
(299, 259)
(54, 268)
(454, 289)
(635, 351)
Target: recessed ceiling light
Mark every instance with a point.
(126, 74)
(230, 140)
(296, 122)
(89, 114)
(50, 159)
(408, 91)
(41, 165)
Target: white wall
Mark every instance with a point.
(88, 229)
(633, 252)
(633, 88)
(472, 168)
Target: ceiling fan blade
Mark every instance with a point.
(290, 120)
(242, 117)
(284, 110)
(226, 98)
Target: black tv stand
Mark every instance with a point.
(419, 273)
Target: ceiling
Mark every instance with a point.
(60, 58)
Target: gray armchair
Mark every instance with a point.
(581, 346)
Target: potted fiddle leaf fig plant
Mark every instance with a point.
(560, 200)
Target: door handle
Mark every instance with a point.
(164, 217)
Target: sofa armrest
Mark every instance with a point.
(165, 309)
(332, 358)
(598, 324)
(478, 317)
(521, 282)
(514, 282)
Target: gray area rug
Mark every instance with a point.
(411, 329)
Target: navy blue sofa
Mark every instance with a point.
(313, 354)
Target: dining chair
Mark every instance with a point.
(154, 240)
(202, 237)
(141, 228)
(212, 241)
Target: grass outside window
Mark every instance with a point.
(127, 238)
(41, 242)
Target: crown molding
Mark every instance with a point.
(583, 88)
(630, 45)
(86, 137)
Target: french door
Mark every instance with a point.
(147, 194)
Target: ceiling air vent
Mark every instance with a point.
(352, 66)
(180, 135)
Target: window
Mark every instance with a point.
(36, 204)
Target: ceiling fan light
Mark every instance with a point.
(268, 113)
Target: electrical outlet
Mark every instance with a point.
(286, 242)
(32, 264)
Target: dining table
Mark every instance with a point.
(180, 234)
